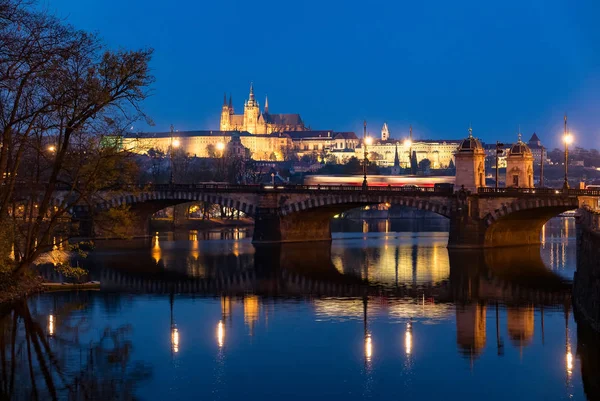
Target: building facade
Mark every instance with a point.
(470, 164)
(519, 166)
(255, 121)
(207, 143)
(273, 146)
(439, 152)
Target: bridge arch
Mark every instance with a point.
(350, 201)
(520, 222)
(164, 199)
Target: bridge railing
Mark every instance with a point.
(540, 191)
(299, 188)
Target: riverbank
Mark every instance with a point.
(16, 288)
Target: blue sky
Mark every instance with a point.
(437, 65)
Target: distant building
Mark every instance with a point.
(256, 122)
(206, 143)
(536, 147)
(439, 152)
(260, 147)
(322, 141)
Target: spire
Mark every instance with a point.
(251, 97)
(396, 158)
(410, 132)
(230, 103)
(266, 105)
(385, 132)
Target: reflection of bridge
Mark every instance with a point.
(487, 218)
(290, 271)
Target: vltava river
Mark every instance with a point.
(385, 313)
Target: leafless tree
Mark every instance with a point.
(61, 94)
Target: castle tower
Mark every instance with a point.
(519, 166)
(470, 164)
(226, 110)
(385, 132)
(251, 113)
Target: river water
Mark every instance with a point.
(386, 312)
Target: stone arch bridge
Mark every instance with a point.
(488, 218)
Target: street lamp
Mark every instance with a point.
(364, 184)
(407, 146)
(498, 152)
(567, 139)
(52, 148)
(542, 168)
(174, 145)
(221, 150)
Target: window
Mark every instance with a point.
(515, 180)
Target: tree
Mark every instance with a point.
(61, 91)
(211, 150)
(424, 166)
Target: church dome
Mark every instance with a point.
(470, 144)
(520, 149)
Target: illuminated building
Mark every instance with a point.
(519, 166)
(256, 122)
(470, 164)
(206, 143)
(439, 152)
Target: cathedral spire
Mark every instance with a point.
(251, 97)
(266, 105)
(230, 103)
(410, 132)
(396, 158)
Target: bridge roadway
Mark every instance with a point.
(297, 213)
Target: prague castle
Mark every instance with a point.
(256, 122)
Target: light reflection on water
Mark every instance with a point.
(420, 321)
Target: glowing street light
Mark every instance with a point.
(220, 146)
(176, 143)
(567, 139)
(51, 148)
(366, 142)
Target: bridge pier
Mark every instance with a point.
(272, 227)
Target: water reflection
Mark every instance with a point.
(347, 318)
(67, 360)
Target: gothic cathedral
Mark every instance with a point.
(256, 122)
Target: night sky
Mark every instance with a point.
(438, 65)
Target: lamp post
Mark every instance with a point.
(408, 147)
(567, 139)
(498, 152)
(364, 184)
(542, 168)
(221, 149)
(174, 144)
